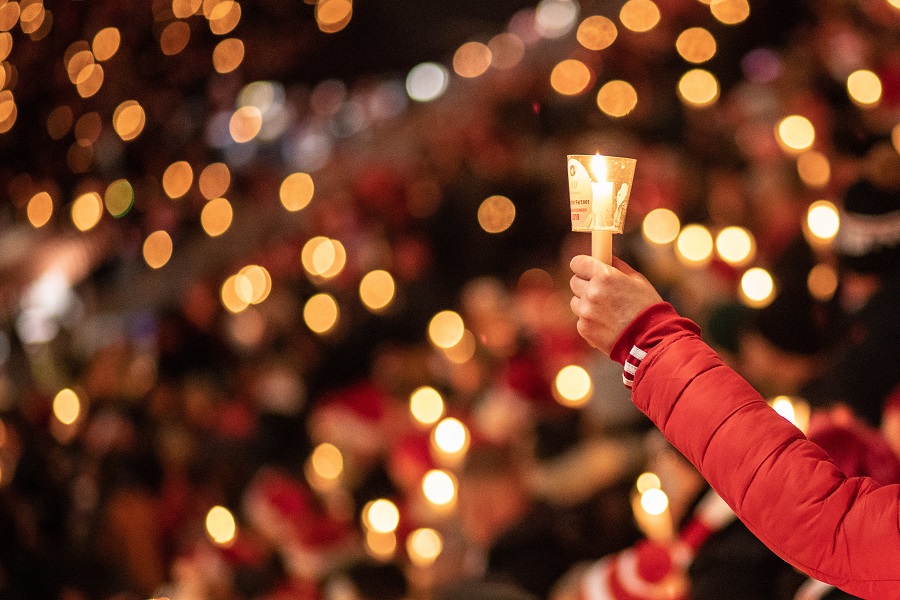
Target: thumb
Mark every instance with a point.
(584, 266)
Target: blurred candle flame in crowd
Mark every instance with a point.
(66, 406)
(87, 211)
(451, 437)
(864, 88)
(320, 313)
(736, 246)
(40, 209)
(573, 386)
(381, 545)
(795, 410)
(814, 169)
(757, 288)
(177, 179)
(654, 501)
(639, 15)
(426, 405)
(446, 329)
(220, 525)
(730, 12)
(296, 191)
(596, 33)
(424, 546)
(381, 516)
(570, 77)
(333, 15)
(694, 245)
(696, 45)
(327, 461)
(214, 180)
(617, 98)
(823, 220)
(157, 249)
(661, 226)
(496, 214)
(376, 290)
(822, 282)
(129, 119)
(462, 351)
(648, 481)
(439, 487)
(698, 88)
(216, 216)
(253, 284)
(795, 134)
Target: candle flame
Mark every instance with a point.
(598, 166)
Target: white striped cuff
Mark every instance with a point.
(635, 357)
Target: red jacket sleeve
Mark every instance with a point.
(842, 531)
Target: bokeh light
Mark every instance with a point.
(89, 83)
(661, 226)
(128, 120)
(736, 246)
(446, 329)
(253, 284)
(814, 169)
(823, 220)
(220, 525)
(320, 313)
(177, 179)
(555, 18)
(451, 436)
(106, 43)
(654, 501)
(381, 516)
(228, 55)
(216, 216)
(496, 214)
(427, 82)
(864, 88)
(296, 191)
(597, 33)
(376, 290)
(66, 406)
(439, 487)
(6, 45)
(647, 481)
(87, 210)
(39, 209)
(119, 198)
(381, 545)
(694, 245)
(327, 461)
(88, 127)
(730, 12)
(471, 59)
(9, 15)
(424, 546)
(617, 98)
(462, 351)
(795, 410)
(639, 15)
(225, 17)
(507, 50)
(60, 121)
(426, 405)
(796, 133)
(757, 288)
(214, 180)
(895, 137)
(174, 38)
(698, 88)
(822, 282)
(233, 291)
(696, 45)
(245, 124)
(157, 249)
(333, 15)
(570, 77)
(182, 9)
(573, 385)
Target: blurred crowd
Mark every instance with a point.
(183, 405)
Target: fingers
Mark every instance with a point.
(584, 266)
(579, 286)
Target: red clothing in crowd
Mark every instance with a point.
(843, 531)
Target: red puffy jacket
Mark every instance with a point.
(843, 531)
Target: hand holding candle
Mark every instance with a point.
(599, 188)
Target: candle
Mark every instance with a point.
(602, 209)
(651, 512)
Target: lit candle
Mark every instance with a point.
(602, 209)
(652, 514)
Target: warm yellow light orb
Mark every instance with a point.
(296, 191)
(214, 180)
(66, 406)
(106, 43)
(647, 481)
(381, 545)
(426, 405)
(757, 288)
(177, 179)
(245, 124)
(128, 120)
(696, 45)
(462, 351)
(216, 216)
(87, 210)
(597, 33)
(320, 313)
(823, 220)
(40, 209)
(570, 77)
(661, 226)
(424, 546)
(736, 246)
(698, 88)
(253, 284)
(157, 249)
(864, 88)
(796, 133)
(496, 214)
(822, 282)
(654, 501)
(376, 290)
(220, 525)
(617, 98)
(472, 59)
(381, 516)
(730, 12)
(327, 461)
(639, 15)
(451, 436)
(446, 329)
(814, 169)
(228, 55)
(439, 487)
(233, 292)
(694, 245)
(507, 50)
(573, 384)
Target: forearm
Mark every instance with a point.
(781, 485)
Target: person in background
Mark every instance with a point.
(782, 486)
